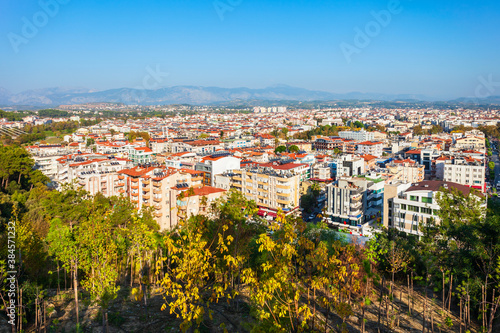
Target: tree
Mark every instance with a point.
(417, 130)
(293, 149)
(280, 149)
(64, 246)
(90, 142)
(98, 260)
(192, 278)
(275, 292)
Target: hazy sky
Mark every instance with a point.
(437, 47)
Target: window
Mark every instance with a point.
(403, 207)
(402, 215)
(415, 227)
(426, 210)
(413, 198)
(427, 200)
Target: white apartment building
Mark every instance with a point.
(466, 171)
(374, 148)
(89, 168)
(216, 165)
(410, 208)
(349, 165)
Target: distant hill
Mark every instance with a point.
(197, 95)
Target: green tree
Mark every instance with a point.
(280, 149)
(293, 149)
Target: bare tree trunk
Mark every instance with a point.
(380, 304)
(425, 307)
(75, 285)
(494, 307)
(442, 303)
(450, 294)
(103, 320)
(460, 315)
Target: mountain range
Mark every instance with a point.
(197, 95)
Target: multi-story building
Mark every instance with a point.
(416, 205)
(345, 202)
(355, 203)
(349, 165)
(158, 187)
(374, 148)
(470, 142)
(321, 172)
(93, 171)
(406, 171)
(201, 147)
(462, 170)
(140, 155)
(357, 135)
(217, 164)
(272, 189)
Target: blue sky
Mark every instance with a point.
(437, 48)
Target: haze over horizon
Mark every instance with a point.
(439, 49)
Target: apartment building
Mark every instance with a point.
(157, 187)
(349, 165)
(196, 200)
(406, 171)
(409, 208)
(470, 142)
(345, 203)
(217, 164)
(462, 170)
(201, 147)
(374, 148)
(357, 135)
(140, 155)
(321, 172)
(90, 170)
(272, 189)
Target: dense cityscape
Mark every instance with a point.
(361, 175)
(232, 166)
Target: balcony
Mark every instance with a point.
(237, 178)
(145, 196)
(120, 184)
(135, 194)
(146, 182)
(145, 204)
(146, 189)
(158, 214)
(157, 199)
(155, 191)
(134, 180)
(121, 177)
(283, 202)
(135, 187)
(156, 184)
(355, 205)
(121, 191)
(157, 207)
(283, 187)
